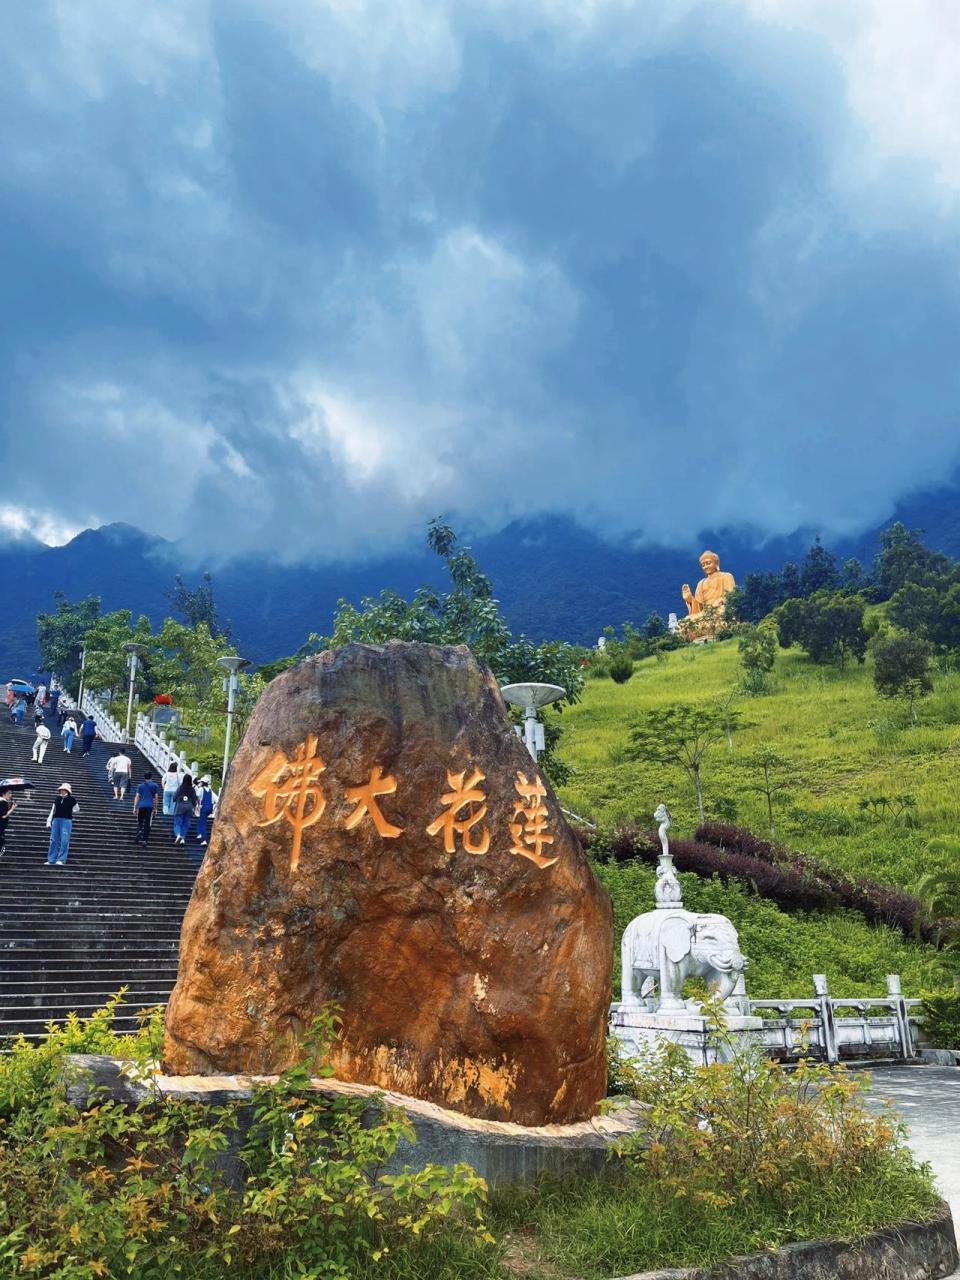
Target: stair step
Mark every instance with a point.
(72, 936)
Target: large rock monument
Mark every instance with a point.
(385, 841)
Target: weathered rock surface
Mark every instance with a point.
(434, 892)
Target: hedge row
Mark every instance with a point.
(794, 881)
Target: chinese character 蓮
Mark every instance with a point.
(528, 830)
(289, 790)
(365, 799)
(462, 794)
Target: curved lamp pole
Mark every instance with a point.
(133, 649)
(232, 665)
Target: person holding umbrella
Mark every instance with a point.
(60, 822)
(7, 807)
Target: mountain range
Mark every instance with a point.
(554, 579)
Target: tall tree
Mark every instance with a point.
(903, 558)
(197, 605)
(902, 669)
(681, 734)
(466, 614)
(829, 627)
(61, 636)
(768, 778)
(819, 570)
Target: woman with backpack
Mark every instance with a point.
(184, 807)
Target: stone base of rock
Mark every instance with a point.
(499, 1151)
(637, 1029)
(918, 1250)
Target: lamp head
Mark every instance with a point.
(533, 695)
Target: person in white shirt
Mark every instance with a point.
(171, 785)
(118, 771)
(41, 742)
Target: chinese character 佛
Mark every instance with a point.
(528, 829)
(365, 799)
(289, 789)
(461, 795)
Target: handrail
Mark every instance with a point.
(162, 754)
(108, 728)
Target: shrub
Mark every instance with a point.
(794, 881)
(620, 670)
(941, 1019)
(118, 1190)
(731, 1159)
(876, 902)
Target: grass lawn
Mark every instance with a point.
(842, 744)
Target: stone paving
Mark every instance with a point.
(928, 1098)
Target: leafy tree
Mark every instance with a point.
(61, 636)
(829, 627)
(852, 577)
(931, 610)
(903, 558)
(791, 581)
(767, 769)
(185, 665)
(654, 627)
(466, 614)
(819, 570)
(681, 734)
(758, 650)
(758, 596)
(902, 669)
(106, 668)
(197, 605)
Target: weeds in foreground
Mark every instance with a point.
(294, 1184)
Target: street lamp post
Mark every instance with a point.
(531, 697)
(133, 650)
(83, 667)
(231, 664)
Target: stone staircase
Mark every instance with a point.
(71, 936)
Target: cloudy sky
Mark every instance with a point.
(295, 275)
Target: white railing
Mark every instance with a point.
(161, 753)
(107, 727)
(840, 1029)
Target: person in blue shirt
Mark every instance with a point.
(144, 803)
(88, 731)
(205, 811)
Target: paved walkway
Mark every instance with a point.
(928, 1098)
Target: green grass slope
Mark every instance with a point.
(842, 744)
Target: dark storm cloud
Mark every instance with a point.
(297, 276)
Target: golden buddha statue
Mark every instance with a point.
(708, 599)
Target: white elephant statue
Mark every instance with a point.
(667, 946)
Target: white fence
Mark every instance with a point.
(837, 1030)
(148, 741)
(161, 753)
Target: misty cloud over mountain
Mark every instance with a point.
(294, 276)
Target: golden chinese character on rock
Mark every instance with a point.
(289, 790)
(462, 794)
(528, 830)
(365, 799)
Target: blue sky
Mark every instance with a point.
(295, 275)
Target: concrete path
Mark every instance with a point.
(928, 1098)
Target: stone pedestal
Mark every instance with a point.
(637, 1029)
